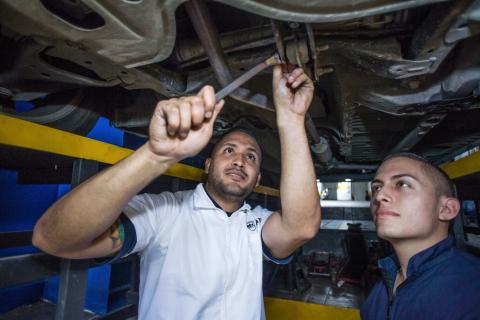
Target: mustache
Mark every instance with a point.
(238, 171)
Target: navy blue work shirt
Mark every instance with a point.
(442, 283)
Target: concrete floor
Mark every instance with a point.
(40, 310)
(324, 292)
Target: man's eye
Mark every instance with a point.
(251, 157)
(402, 184)
(228, 150)
(376, 187)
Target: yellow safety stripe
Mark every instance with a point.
(24, 134)
(281, 309)
(267, 191)
(463, 167)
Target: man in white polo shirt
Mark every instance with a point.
(201, 250)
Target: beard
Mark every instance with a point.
(229, 190)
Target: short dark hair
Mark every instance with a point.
(244, 130)
(443, 184)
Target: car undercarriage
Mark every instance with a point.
(389, 75)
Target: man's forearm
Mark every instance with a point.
(82, 215)
(298, 190)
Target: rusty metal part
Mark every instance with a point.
(413, 137)
(320, 146)
(277, 34)
(431, 36)
(436, 38)
(246, 76)
(297, 51)
(208, 35)
(281, 49)
(190, 51)
(313, 50)
(322, 150)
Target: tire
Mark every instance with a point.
(61, 111)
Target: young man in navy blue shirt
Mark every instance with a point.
(412, 205)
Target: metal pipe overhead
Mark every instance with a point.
(207, 33)
(419, 132)
(344, 204)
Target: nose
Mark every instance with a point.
(239, 161)
(382, 195)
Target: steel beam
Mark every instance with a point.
(15, 239)
(27, 268)
(34, 267)
(72, 289)
(126, 312)
(73, 274)
(463, 167)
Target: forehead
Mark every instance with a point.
(401, 166)
(241, 139)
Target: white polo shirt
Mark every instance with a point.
(196, 262)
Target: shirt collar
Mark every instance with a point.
(419, 262)
(201, 200)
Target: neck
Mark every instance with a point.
(228, 204)
(405, 249)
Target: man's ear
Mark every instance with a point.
(207, 164)
(449, 208)
(258, 179)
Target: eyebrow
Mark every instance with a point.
(396, 177)
(405, 175)
(231, 144)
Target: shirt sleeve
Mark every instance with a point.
(269, 256)
(143, 222)
(149, 214)
(129, 241)
(130, 238)
(264, 214)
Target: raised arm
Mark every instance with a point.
(299, 219)
(83, 223)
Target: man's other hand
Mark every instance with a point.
(181, 127)
(292, 93)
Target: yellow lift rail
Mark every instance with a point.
(281, 309)
(24, 134)
(20, 133)
(463, 167)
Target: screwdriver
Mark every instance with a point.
(235, 84)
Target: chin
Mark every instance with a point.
(383, 236)
(386, 234)
(233, 189)
(392, 236)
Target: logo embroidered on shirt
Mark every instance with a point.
(252, 224)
